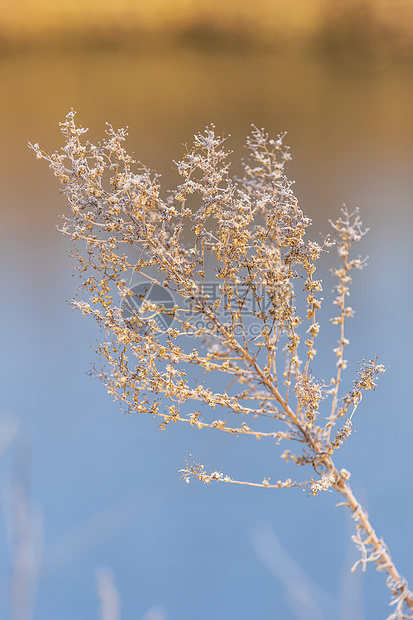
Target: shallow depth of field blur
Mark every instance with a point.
(92, 505)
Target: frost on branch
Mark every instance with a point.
(196, 292)
(229, 256)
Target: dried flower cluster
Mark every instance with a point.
(230, 253)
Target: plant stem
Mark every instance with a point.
(378, 551)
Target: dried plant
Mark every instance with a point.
(229, 255)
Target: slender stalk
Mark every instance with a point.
(373, 549)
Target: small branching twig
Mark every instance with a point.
(221, 259)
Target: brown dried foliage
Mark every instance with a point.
(248, 237)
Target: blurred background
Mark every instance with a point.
(95, 521)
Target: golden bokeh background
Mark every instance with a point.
(378, 24)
